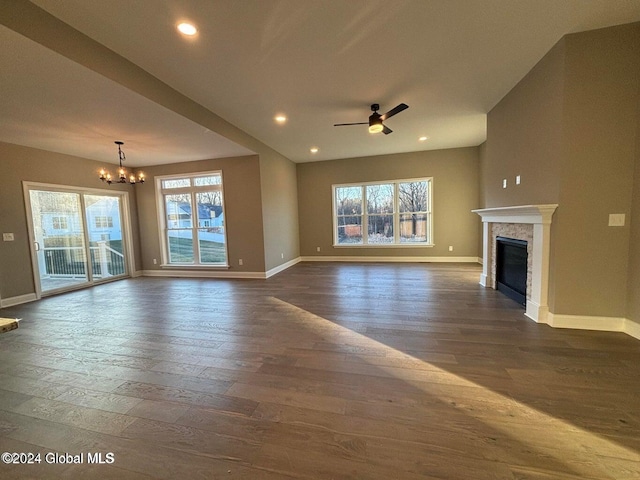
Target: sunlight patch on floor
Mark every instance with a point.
(583, 452)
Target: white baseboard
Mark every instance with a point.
(202, 274)
(605, 324)
(345, 258)
(11, 301)
(136, 273)
(536, 312)
(219, 273)
(632, 328)
(284, 266)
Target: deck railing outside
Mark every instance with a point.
(70, 261)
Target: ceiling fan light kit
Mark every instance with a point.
(376, 127)
(375, 119)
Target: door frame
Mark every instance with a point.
(127, 244)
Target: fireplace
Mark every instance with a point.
(531, 223)
(511, 268)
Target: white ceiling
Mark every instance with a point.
(49, 102)
(319, 62)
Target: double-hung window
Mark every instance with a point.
(394, 212)
(193, 220)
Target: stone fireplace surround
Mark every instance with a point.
(533, 224)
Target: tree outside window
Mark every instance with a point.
(349, 215)
(397, 212)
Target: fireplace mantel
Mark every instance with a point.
(522, 214)
(540, 216)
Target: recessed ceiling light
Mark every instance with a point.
(187, 29)
(423, 138)
(280, 118)
(313, 149)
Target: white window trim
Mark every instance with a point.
(396, 215)
(162, 225)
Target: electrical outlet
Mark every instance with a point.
(616, 220)
(517, 179)
(7, 237)
(317, 249)
(282, 255)
(451, 248)
(155, 261)
(240, 261)
(504, 183)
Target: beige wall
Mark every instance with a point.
(524, 137)
(574, 119)
(601, 101)
(455, 193)
(243, 210)
(633, 285)
(279, 209)
(18, 164)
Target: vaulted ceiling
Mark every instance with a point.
(318, 62)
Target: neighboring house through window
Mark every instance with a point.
(193, 219)
(385, 213)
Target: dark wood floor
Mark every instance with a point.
(325, 371)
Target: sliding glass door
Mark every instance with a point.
(104, 226)
(77, 238)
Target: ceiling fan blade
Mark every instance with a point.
(344, 124)
(386, 130)
(395, 110)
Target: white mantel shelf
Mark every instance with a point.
(540, 216)
(520, 214)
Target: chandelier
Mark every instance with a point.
(105, 176)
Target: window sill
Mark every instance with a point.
(187, 266)
(385, 245)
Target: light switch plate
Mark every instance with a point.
(616, 219)
(7, 237)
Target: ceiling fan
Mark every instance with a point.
(375, 119)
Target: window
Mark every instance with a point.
(193, 219)
(348, 210)
(104, 222)
(60, 223)
(395, 213)
(380, 209)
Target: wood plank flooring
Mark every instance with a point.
(325, 371)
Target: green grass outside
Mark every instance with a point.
(182, 251)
